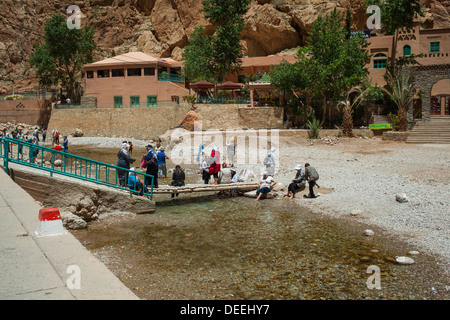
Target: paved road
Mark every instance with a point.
(46, 268)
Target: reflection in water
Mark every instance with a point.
(206, 247)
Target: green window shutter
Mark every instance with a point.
(407, 51)
(380, 61)
(152, 101)
(134, 102)
(435, 47)
(118, 102)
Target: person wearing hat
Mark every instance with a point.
(152, 166)
(297, 184)
(123, 161)
(265, 185)
(162, 169)
(270, 162)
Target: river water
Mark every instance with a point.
(213, 247)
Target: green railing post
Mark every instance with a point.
(6, 155)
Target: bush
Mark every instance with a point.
(14, 97)
(315, 127)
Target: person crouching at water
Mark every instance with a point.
(135, 184)
(178, 178)
(265, 185)
(311, 176)
(297, 184)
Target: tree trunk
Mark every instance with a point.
(324, 108)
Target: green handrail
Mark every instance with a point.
(71, 166)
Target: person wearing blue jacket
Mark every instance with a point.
(135, 184)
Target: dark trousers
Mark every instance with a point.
(152, 170)
(311, 188)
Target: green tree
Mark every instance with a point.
(332, 62)
(59, 60)
(220, 53)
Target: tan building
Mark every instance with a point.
(433, 44)
(134, 80)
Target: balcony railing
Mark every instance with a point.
(170, 77)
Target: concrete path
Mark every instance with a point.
(38, 268)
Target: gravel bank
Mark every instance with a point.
(366, 175)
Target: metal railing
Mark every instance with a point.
(66, 164)
(170, 77)
(223, 100)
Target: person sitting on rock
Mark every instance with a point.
(135, 184)
(265, 185)
(298, 183)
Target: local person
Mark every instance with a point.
(214, 163)
(152, 166)
(178, 178)
(124, 161)
(311, 176)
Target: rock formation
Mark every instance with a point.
(162, 27)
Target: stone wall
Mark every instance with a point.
(150, 123)
(21, 111)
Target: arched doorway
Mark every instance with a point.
(425, 77)
(440, 98)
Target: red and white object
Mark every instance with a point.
(50, 223)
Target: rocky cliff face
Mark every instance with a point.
(161, 27)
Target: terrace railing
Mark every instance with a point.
(223, 100)
(170, 77)
(66, 164)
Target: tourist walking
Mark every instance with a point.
(124, 161)
(178, 178)
(265, 185)
(298, 183)
(44, 135)
(231, 150)
(162, 169)
(270, 162)
(311, 176)
(152, 166)
(214, 164)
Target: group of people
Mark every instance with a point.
(309, 175)
(209, 165)
(154, 163)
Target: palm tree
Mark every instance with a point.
(347, 108)
(399, 90)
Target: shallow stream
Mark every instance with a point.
(211, 247)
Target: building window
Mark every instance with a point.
(134, 102)
(162, 70)
(134, 72)
(103, 74)
(435, 47)
(241, 78)
(407, 51)
(380, 61)
(149, 71)
(90, 74)
(175, 99)
(152, 101)
(118, 73)
(118, 102)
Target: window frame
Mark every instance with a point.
(103, 75)
(116, 105)
(134, 75)
(380, 61)
(433, 45)
(117, 76)
(407, 49)
(154, 102)
(134, 105)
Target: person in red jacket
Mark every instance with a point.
(215, 164)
